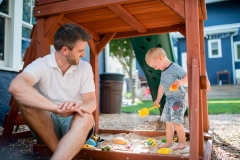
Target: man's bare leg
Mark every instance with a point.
(181, 137)
(41, 123)
(72, 142)
(169, 135)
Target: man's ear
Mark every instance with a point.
(64, 49)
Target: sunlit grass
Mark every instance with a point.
(215, 106)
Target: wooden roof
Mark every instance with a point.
(125, 18)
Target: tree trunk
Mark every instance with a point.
(131, 85)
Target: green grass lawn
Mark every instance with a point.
(215, 106)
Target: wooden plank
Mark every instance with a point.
(204, 79)
(19, 120)
(203, 9)
(181, 28)
(72, 6)
(86, 154)
(95, 35)
(177, 6)
(149, 32)
(40, 37)
(193, 50)
(104, 41)
(94, 64)
(92, 15)
(21, 134)
(127, 17)
(147, 133)
(42, 2)
(194, 110)
(50, 24)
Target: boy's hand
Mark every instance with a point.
(156, 102)
(177, 82)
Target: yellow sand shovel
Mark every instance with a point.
(145, 111)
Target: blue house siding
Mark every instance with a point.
(181, 49)
(5, 79)
(225, 12)
(220, 64)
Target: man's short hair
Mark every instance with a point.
(68, 34)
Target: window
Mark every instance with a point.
(28, 21)
(4, 19)
(214, 48)
(237, 51)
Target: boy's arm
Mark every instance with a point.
(185, 79)
(159, 95)
(181, 82)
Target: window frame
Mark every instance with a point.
(7, 18)
(210, 54)
(235, 51)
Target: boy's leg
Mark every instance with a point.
(181, 137)
(169, 135)
(165, 117)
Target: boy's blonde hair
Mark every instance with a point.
(154, 53)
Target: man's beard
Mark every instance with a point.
(71, 59)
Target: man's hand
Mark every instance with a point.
(68, 108)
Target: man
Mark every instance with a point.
(56, 94)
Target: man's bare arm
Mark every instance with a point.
(22, 90)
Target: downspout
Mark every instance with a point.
(233, 56)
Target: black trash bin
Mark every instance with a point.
(111, 85)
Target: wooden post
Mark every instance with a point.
(193, 52)
(94, 64)
(203, 72)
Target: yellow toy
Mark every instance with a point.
(173, 87)
(164, 151)
(87, 146)
(145, 111)
(151, 142)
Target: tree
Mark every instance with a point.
(122, 50)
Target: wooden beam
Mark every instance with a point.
(181, 28)
(127, 17)
(194, 110)
(40, 37)
(104, 41)
(149, 32)
(193, 52)
(42, 151)
(19, 120)
(177, 6)
(94, 64)
(204, 10)
(205, 85)
(50, 24)
(71, 6)
(93, 47)
(42, 2)
(95, 35)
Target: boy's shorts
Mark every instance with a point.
(61, 127)
(174, 109)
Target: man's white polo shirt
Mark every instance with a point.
(57, 87)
